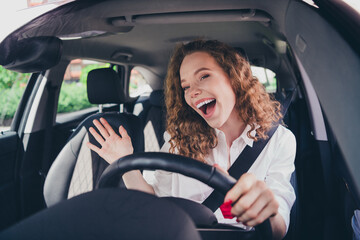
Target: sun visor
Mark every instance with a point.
(31, 54)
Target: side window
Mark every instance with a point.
(73, 93)
(138, 85)
(12, 87)
(266, 77)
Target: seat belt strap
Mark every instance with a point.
(241, 165)
(246, 158)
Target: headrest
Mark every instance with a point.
(157, 98)
(104, 86)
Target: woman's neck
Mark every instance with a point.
(233, 128)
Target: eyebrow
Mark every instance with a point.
(196, 72)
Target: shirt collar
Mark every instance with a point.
(243, 135)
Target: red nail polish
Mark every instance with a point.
(226, 209)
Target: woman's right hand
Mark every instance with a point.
(113, 146)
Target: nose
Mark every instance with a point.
(194, 91)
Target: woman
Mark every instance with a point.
(215, 107)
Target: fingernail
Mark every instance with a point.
(226, 209)
(237, 220)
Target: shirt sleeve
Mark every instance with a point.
(279, 173)
(162, 179)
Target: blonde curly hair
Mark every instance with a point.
(189, 133)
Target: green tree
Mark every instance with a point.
(73, 97)
(10, 79)
(12, 86)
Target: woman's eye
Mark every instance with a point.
(204, 76)
(185, 88)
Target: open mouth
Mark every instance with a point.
(207, 106)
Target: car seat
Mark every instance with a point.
(107, 214)
(154, 122)
(76, 169)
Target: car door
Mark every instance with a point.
(326, 52)
(8, 201)
(11, 146)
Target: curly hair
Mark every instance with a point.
(190, 135)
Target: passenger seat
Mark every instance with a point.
(153, 117)
(154, 121)
(77, 169)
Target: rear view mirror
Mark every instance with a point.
(30, 55)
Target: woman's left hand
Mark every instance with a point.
(113, 145)
(252, 201)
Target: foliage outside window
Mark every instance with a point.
(73, 94)
(12, 87)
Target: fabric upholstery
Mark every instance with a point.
(82, 179)
(60, 175)
(77, 169)
(151, 141)
(157, 98)
(154, 120)
(104, 86)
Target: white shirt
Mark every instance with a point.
(274, 165)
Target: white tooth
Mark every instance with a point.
(204, 102)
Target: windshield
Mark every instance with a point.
(19, 12)
(17, 5)
(355, 4)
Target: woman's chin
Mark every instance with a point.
(214, 123)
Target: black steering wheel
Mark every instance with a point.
(178, 164)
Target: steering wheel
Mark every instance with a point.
(179, 164)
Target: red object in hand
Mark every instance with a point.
(226, 209)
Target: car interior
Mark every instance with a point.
(45, 164)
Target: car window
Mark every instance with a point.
(12, 86)
(355, 4)
(73, 93)
(20, 4)
(138, 84)
(266, 77)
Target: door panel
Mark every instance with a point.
(9, 201)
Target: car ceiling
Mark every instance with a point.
(148, 32)
(146, 43)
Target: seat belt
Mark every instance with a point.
(246, 158)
